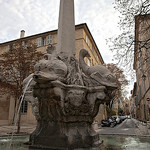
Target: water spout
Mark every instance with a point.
(18, 111)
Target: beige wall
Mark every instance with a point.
(4, 108)
(142, 66)
(115, 106)
(28, 117)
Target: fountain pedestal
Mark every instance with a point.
(66, 113)
(66, 92)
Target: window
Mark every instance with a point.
(139, 94)
(7, 48)
(97, 58)
(87, 40)
(38, 42)
(24, 107)
(49, 39)
(93, 48)
(136, 100)
(23, 43)
(92, 63)
(1, 68)
(140, 65)
(13, 45)
(43, 41)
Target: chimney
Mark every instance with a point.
(22, 33)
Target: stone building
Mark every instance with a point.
(133, 101)
(115, 106)
(83, 39)
(142, 67)
(127, 106)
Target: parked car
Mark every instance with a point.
(123, 118)
(117, 118)
(105, 123)
(129, 117)
(110, 122)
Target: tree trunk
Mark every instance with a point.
(18, 116)
(19, 122)
(14, 115)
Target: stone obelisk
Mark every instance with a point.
(66, 28)
(66, 108)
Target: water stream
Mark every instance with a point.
(18, 111)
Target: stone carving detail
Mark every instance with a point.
(30, 98)
(50, 68)
(75, 103)
(66, 93)
(96, 75)
(65, 99)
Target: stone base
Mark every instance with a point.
(64, 138)
(62, 143)
(65, 116)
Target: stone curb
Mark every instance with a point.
(125, 134)
(14, 135)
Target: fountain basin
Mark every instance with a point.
(110, 142)
(66, 113)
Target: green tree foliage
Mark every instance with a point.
(110, 112)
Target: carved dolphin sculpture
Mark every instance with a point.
(50, 68)
(98, 73)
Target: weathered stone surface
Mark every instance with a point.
(63, 104)
(66, 29)
(96, 75)
(66, 94)
(66, 113)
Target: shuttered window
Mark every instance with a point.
(49, 39)
(38, 42)
(24, 107)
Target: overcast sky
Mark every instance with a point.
(37, 16)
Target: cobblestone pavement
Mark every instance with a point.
(127, 127)
(25, 129)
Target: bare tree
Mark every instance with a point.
(15, 66)
(123, 44)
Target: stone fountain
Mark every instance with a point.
(66, 93)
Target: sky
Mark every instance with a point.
(37, 16)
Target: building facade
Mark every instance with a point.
(142, 67)
(83, 39)
(133, 101)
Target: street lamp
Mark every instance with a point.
(143, 77)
